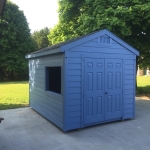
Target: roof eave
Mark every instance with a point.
(120, 41)
(42, 53)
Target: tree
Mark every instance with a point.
(128, 19)
(15, 42)
(40, 38)
(69, 11)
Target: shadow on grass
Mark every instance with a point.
(143, 90)
(12, 106)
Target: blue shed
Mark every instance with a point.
(86, 81)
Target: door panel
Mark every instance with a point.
(94, 90)
(113, 88)
(99, 105)
(109, 104)
(89, 106)
(102, 89)
(90, 81)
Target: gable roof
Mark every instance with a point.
(63, 46)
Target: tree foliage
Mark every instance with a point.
(15, 42)
(40, 38)
(67, 28)
(128, 19)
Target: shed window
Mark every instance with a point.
(53, 79)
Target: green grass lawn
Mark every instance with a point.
(14, 94)
(143, 85)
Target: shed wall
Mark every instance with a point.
(47, 103)
(75, 74)
(129, 88)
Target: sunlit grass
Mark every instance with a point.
(143, 81)
(14, 94)
(143, 85)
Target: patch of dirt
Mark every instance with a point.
(144, 96)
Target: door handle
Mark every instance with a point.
(106, 93)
